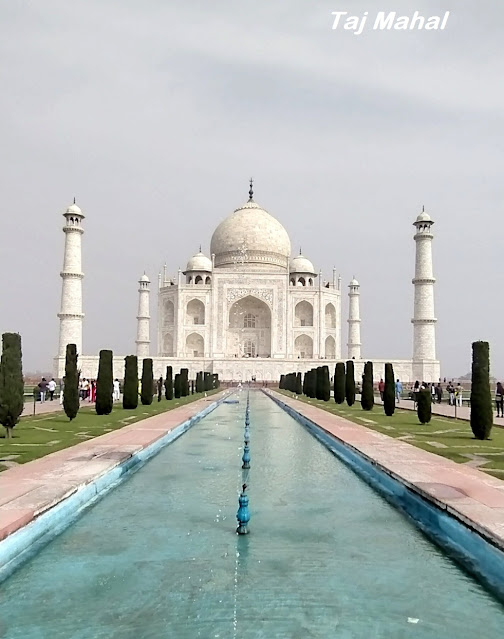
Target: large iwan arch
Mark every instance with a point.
(249, 328)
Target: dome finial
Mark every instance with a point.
(300, 252)
(251, 190)
(423, 208)
(74, 199)
(200, 248)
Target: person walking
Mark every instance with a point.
(93, 391)
(51, 387)
(499, 399)
(381, 388)
(42, 386)
(159, 389)
(62, 388)
(459, 395)
(439, 392)
(398, 390)
(117, 390)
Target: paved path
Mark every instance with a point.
(28, 490)
(463, 412)
(469, 494)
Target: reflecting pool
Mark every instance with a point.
(325, 557)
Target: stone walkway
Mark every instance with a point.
(46, 407)
(469, 494)
(30, 489)
(463, 412)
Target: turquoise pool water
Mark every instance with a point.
(326, 556)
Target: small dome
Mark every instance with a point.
(354, 282)
(301, 264)
(199, 262)
(144, 278)
(423, 217)
(251, 235)
(73, 209)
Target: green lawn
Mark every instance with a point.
(39, 435)
(443, 436)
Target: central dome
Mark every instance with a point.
(250, 235)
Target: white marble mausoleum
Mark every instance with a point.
(250, 309)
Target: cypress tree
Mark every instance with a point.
(339, 383)
(184, 375)
(11, 382)
(147, 391)
(281, 384)
(389, 392)
(104, 384)
(424, 410)
(217, 380)
(481, 399)
(313, 383)
(350, 383)
(199, 382)
(326, 384)
(319, 389)
(299, 384)
(178, 386)
(304, 383)
(130, 394)
(192, 387)
(367, 396)
(169, 383)
(71, 388)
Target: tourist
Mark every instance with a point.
(42, 386)
(381, 388)
(51, 387)
(499, 399)
(117, 390)
(93, 391)
(159, 388)
(459, 394)
(433, 392)
(439, 392)
(451, 394)
(398, 390)
(62, 386)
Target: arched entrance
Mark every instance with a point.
(330, 347)
(195, 345)
(249, 329)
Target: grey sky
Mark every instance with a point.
(154, 114)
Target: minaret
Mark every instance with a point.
(143, 317)
(354, 343)
(424, 322)
(71, 315)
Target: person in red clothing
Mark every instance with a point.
(381, 388)
(93, 391)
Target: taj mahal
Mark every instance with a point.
(251, 310)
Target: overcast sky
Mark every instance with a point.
(154, 114)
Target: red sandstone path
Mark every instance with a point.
(30, 489)
(467, 493)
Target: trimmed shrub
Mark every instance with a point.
(184, 375)
(147, 391)
(178, 386)
(481, 399)
(281, 384)
(130, 393)
(389, 392)
(11, 382)
(104, 384)
(367, 396)
(424, 410)
(169, 383)
(207, 381)
(71, 384)
(299, 384)
(350, 383)
(339, 383)
(199, 382)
